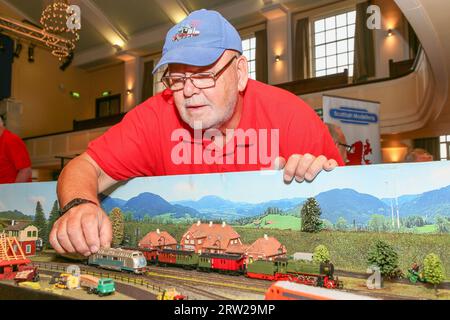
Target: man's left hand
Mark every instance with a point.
(304, 167)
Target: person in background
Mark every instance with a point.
(15, 163)
(418, 155)
(339, 139)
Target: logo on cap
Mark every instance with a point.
(186, 31)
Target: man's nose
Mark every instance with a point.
(189, 89)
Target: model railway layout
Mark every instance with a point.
(136, 260)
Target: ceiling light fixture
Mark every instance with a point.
(60, 19)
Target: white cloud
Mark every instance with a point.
(2, 206)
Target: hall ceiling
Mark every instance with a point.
(105, 22)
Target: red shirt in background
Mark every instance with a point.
(141, 145)
(13, 157)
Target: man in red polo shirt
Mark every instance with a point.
(15, 163)
(211, 118)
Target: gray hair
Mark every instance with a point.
(412, 155)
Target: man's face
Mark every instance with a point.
(211, 107)
(342, 140)
(424, 157)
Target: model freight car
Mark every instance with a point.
(223, 263)
(178, 258)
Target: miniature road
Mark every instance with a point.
(125, 289)
(134, 292)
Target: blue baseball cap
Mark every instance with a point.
(199, 40)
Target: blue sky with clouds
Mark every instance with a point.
(382, 181)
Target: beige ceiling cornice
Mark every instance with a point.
(174, 9)
(95, 16)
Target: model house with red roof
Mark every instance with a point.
(158, 240)
(265, 248)
(211, 238)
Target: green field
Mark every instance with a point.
(276, 221)
(348, 249)
(431, 228)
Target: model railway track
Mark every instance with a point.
(158, 282)
(238, 280)
(222, 284)
(204, 292)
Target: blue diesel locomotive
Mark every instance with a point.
(119, 259)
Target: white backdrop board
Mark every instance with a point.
(360, 123)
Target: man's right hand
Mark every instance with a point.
(83, 229)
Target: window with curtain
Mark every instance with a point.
(444, 144)
(249, 51)
(334, 43)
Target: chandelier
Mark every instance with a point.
(60, 20)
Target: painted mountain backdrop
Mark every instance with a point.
(346, 203)
(149, 204)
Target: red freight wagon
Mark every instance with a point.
(150, 254)
(167, 256)
(227, 262)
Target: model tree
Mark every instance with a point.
(326, 225)
(341, 224)
(54, 215)
(41, 223)
(385, 257)
(117, 221)
(433, 270)
(443, 224)
(310, 216)
(321, 254)
(378, 223)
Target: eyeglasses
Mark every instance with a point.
(348, 148)
(201, 80)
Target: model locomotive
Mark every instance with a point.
(119, 259)
(135, 260)
(304, 272)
